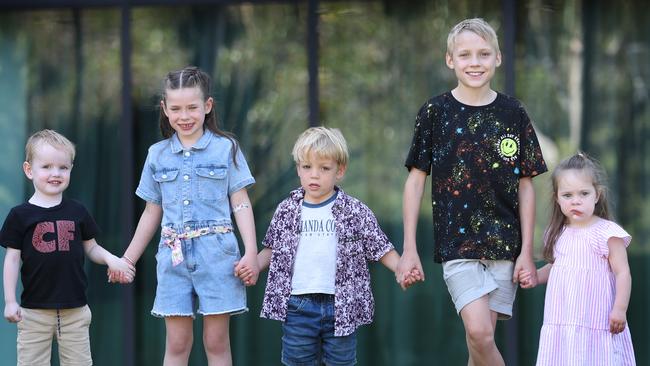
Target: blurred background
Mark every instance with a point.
(93, 70)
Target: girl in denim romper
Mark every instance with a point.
(192, 182)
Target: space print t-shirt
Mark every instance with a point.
(475, 156)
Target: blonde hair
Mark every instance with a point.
(477, 26)
(585, 163)
(327, 143)
(51, 138)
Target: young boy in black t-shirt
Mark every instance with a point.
(481, 151)
(50, 235)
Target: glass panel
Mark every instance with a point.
(258, 67)
(13, 121)
(60, 70)
(582, 72)
(579, 71)
(380, 61)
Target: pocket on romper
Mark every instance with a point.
(227, 243)
(212, 181)
(168, 187)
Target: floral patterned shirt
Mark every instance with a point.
(360, 239)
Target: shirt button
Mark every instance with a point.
(186, 177)
(164, 176)
(211, 173)
(187, 228)
(186, 202)
(187, 153)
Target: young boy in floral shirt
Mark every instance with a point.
(318, 245)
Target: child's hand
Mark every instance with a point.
(408, 262)
(119, 277)
(411, 278)
(12, 312)
(526, 279)
(617, 320)
(247, 269)
(120, 270)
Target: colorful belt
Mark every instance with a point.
(173, 239)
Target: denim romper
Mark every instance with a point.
(193, 186)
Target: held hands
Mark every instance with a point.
(120, 270)
(411, 278)
(247, 269)
(525, 272)
(617, 320)
(409, 270)
(526, 279)
(12, 312)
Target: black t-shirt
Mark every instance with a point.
(475, 155)
(50, 241)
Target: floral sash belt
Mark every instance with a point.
(173, 239)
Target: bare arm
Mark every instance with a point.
(264, 258)
(243, 212)
(413, 191)
(147, 226)
(99, 255)
(621, 270)
(543, 273)
(527, 218)
(10, 279)
(390, 260)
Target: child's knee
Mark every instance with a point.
(480, 334)
(179, 344)
(216, 343)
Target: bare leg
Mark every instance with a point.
(216, 339)
(480, 324)
(178, 343)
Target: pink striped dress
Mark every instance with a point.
(579, 296)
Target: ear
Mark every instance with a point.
(27, 169)
(449, 60)
(208, 105)
(340, 172)
(498, 63)
(163, 107)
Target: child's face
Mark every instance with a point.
(318, 177)
(576, 196)
(186, 109)
(49, 170)
(473, 60)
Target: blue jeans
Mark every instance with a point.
(308, 334)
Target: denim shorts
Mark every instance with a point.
(204, 282)
(308, 334)
(470, 279)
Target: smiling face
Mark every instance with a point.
(318, 176)
(474, 61)
(508, 147)
(49, 171)
(576, 196)
(186, 109)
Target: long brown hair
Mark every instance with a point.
(589, 165)
(190, 77)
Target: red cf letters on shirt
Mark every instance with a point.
(65, 233)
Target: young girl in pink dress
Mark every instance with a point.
(588, 274)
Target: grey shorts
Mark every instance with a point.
(470, 279)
